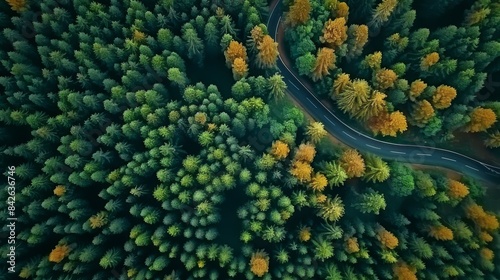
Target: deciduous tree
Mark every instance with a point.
(316, 131)
(268, 52)
(325, 61)
(259, 263)
(422, 113)
(334, 32)
(457, 190)
(481, 119)
(440, 232)
(443, 96)
(353, 163)
(299, 12)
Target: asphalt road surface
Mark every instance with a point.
(334, 125)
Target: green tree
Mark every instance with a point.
(370, 202)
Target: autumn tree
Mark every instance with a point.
(403, 271)
(318, 182)
(280, 149)
(233, 51)
(268, 52)
(481, 119)
(353, 163)
(301, 170)
(316, 131)
(325, 61)
(17, 5)
(354, 96)
(255, 38)
(374, 106)
(239, 68)
(457, 190)
(382, 12)
(305, 152)
(440, 232)
(299, 12)
(429, 60)
(259, 263)
(481, 218)
(387, 239)
(388, 124)
(340, 84)
(352, 245)
(59, 253)
(422, 113)
(334, 32)
(385, 78)
(416, 89)
(443, 96)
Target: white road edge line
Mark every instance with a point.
(428, 155)
(372, 146)
(348, 135)
(312, 103)
(450, 159)
(472, 167)
(396, 152)
(329, 120)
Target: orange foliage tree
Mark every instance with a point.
(440, 232)
(268, 52)
(342, 10)
(259, 263)
(318, 182)
(239, 68)
(422, 113)
(487, 254)
(17, 5)
(280, 149)
(352, 245)
(59, 190)
(299, 12)
(387, 239)
(340, 83)
(443, 96)
(353, 163)
(233, 51)
(429, 60)
(481, 119)
(305, 152)
(481, 218)
(325, 61)
(59, 253)
(385, 78)
(374, 106)
(334, 32)
(416, 88)
(358, 37)
(457, 190)
(301, 170)
(403, 271)
(388, 124)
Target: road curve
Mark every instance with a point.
(334, 125)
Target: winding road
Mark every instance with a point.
(414, 154)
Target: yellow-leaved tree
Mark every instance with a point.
(443, 96)
(259, 263)
(422, 112)
(385, 78)
(316, 131)
(493, 140)
(239, 68)
(481, 119)
(388, 124)
(280, 149)
(233, 51)
(353, 163)
(340, 84)
(299, 12)
(429, 60)
(457, 190)
(416, 89)
(17, 5)
(334, 32)
(268, 52)
(325, 61)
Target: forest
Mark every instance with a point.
(157, 140)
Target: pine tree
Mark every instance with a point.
(17, 5)
(377, 170)
(323, 249)
(335, 174)
(276, 86)
(385, 78)
(280, 149)
(387, 239)
(268, 52)
(440, 232)
(325, 61)
(358, 37)
(299, 12)
(403, 271)
(457, 190)
(301, 170)
(340, 84)
(332, 209)
(493, 140)
(371, 202)
(316, 131)
(354, 96)
(374, 106)
(416, 88)
(382, 12)
(429, 60)
(318, 182)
